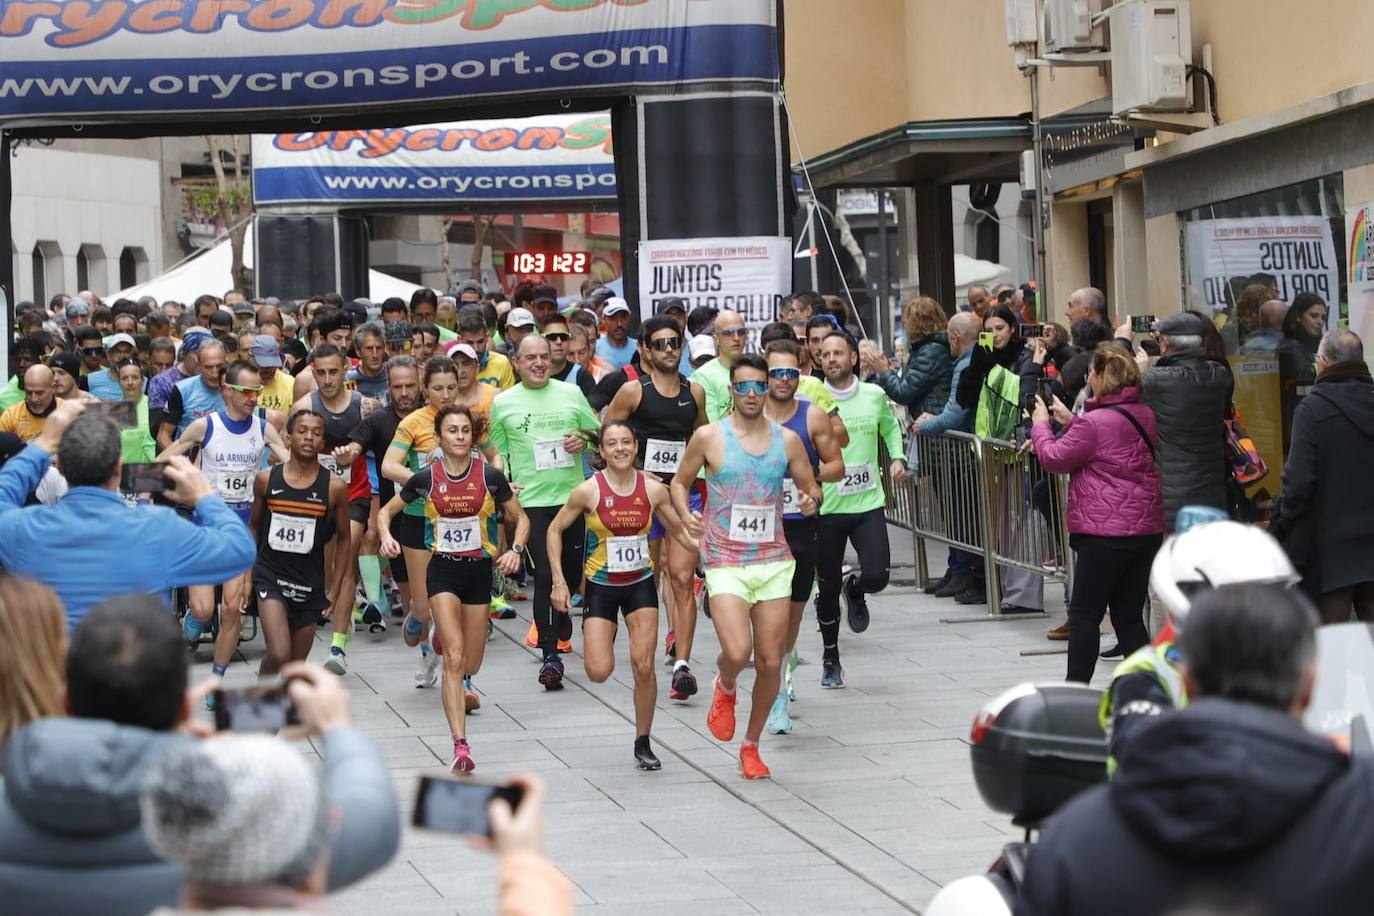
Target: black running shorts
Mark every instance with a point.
(466, 578)
(610, 601)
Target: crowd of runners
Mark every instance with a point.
(400, 474)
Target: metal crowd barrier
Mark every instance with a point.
(989, 498)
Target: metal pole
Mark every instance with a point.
(520, 231)
(884, 309)
(1041, 221)
(812, 216)
(8, 294)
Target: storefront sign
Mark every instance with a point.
(106, 60)
(547, 159)
(1298, 251)
(1359, 248)
(749, 275)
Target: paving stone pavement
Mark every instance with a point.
(871, 807)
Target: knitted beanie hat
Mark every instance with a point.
(237, 809)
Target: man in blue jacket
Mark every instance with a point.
(963, 336)
(91, 545)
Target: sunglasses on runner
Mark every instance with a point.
(750, 386)
(664, 344)
(733, 332)
(558, 336)
(785, 374)
(93, 351)
(244, 389)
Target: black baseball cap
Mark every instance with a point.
(667, 305)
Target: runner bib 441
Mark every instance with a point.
(752, 524)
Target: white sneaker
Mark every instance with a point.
(428, 673)
(336, 663)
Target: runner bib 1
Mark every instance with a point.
(549, 454)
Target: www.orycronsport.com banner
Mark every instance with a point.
(163, 59)
(522, 160)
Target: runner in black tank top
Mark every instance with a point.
(294, 523)
(663, 422)
(328, 366)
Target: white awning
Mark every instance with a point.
(208, 272)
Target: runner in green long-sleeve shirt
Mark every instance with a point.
(536, 426)
(852, 508)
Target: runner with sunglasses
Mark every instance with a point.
(714, 377)
(342, 410)
(744, 548)
(618, 506)
(822, 451)
(459, 496)
(663, 409)
(232, 441)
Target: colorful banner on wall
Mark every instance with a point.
(559, 158)
(1298, 251)
(749, 275)
(1359, 249)
(157, 60)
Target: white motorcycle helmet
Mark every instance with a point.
(975, 895)
(1213, 555)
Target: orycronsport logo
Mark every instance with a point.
(588, 134)
(75, 25)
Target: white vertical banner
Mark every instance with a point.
(749, 275)
(1297, 251)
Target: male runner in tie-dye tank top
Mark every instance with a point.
(744, 550)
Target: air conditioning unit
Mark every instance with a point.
(1073, 26)
(1152, 49)
(1021, 23)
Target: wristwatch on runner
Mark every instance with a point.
(518, 549)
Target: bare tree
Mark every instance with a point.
(235, 206)
(480, 225)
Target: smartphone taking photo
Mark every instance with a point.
(1029, 331)
(123, 413)
(1141, 324)
(255, 709)
(144, 478)
(460, 806)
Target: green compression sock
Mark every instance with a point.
(370, 568)
(341, 641)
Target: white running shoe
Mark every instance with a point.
(427, 675)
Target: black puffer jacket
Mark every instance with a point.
(1189, 395)
(923, 384)
(1222, 801)
(1325, 521)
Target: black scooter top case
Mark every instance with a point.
(1037, 746)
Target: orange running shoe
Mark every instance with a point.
(565, 645)
(721, 718)
(532, 637)
(750, 766)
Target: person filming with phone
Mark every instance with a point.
(79, 547)
(1115, 507)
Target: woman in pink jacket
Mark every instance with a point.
(1116, 509)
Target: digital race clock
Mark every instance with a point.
(546, 262)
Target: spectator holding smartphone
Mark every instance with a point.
(71, 835)
(1115, 505)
